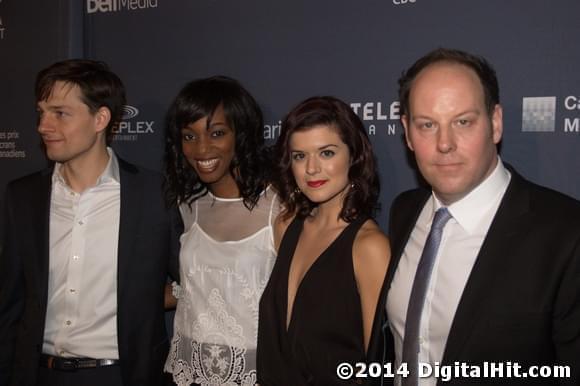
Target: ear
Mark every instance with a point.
(405, 123)
(102, 118)
(497, 124)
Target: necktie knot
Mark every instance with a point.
(441, 217)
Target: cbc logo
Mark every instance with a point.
(401, 2)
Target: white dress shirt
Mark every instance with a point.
(81, 316)
(462, 238)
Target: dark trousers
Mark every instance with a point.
(100, 376)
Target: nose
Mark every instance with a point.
(312, 165)
(45, 125)
(202, 145)
(445, 139)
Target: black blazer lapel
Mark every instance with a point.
(404, 213)
(39, 208)
(513, 218)
(130, 217)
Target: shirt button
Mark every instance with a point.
(421, 340)
(75, 257)
(81, 222)
(68, 322)
(72, 290)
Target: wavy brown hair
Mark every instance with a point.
(362, 198)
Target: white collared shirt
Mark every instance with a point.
(462, 238)
(81, 316)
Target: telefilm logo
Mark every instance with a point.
(539, 114)
(128, 129)
(375, 116)
(119, 5)
(378, 116)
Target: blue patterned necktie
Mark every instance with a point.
(417, 298)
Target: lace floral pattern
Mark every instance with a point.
(218, 348)
(216, 321)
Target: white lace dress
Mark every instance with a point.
(227, 254)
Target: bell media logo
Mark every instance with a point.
(119, 5)
(539, 114)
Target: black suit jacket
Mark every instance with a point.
(147, 250)
(521, 302)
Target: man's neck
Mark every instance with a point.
(82, 173)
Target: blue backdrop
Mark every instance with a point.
(285, 51)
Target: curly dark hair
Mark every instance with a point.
(362, 198)
(199, 99)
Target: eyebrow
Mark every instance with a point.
(320, 148)
(52, 107)
(218, 123)
(476, 112)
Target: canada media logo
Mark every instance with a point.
(128, 128)
(539, 114)
(119, 5)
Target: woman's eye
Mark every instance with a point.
(326, 153)
(297, 156)
(187, 137)
(217, 133)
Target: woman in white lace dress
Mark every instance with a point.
(217, 174)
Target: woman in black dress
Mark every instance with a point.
(318, 309)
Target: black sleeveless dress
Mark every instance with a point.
(326, 326)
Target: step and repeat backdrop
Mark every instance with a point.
(286, 51)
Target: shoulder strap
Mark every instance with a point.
(274, 201)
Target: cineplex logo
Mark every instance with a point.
(129, 128)
(119, 5)
(539, 114)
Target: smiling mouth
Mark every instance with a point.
(207, 165)
(316, 184)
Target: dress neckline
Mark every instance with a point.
(210, 194)
(288, 325)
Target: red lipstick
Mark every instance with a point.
(316, 184)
